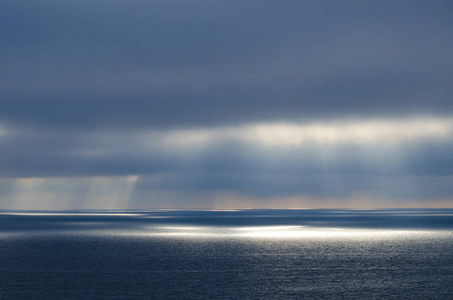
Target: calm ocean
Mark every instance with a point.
(245, 254)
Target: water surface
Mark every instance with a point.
(244, 254)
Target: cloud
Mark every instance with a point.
(401, 160)
(360, 144)
(67, 193)
(366, 132)
(75, 66)
(210, 103)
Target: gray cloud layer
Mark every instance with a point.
(80, 64)
(82, 80)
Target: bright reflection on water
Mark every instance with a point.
(277, 232)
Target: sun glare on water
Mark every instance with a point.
(272, 232)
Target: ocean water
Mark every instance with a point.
(245, 254)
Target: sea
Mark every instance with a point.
(227, 254)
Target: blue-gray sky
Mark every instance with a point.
(226, 104)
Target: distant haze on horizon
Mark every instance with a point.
(226, 104)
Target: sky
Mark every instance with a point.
(225, 104)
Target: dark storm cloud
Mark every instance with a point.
(112, 64)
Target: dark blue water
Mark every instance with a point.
(250, 254)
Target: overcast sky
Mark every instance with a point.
(226, 104)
